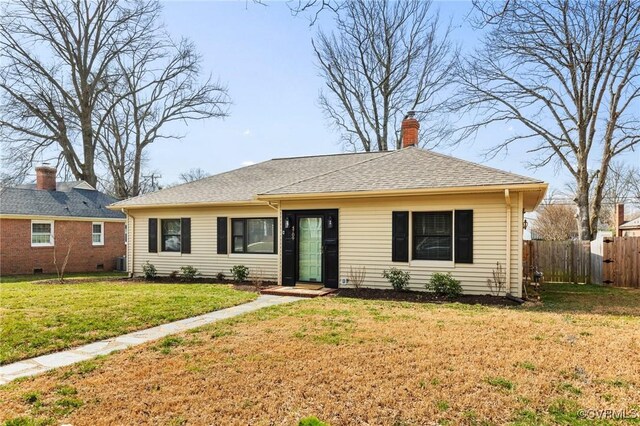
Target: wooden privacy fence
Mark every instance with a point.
(561, 261)
(621, 262)
(612, 261)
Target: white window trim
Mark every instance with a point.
(101, 243)
(51, 236)
(448, 264)
(161, 233)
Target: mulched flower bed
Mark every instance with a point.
(421, 297)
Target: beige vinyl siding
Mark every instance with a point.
(365, 237)
(203, 254)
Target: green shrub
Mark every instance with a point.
(27, 421)
(444, 285)
(189, 272)
(312, 421)
(31, 397)
(149, 271)
(500, 382)
(240, 273)
(398, 279)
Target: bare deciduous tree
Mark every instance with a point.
(61, 267)
(159, 86)
(556, 222)
(384, 60)
(568, 71)
(313, 7)
(57, 60)
(95, 82)
(635, 188)
(618, 189)
(193, 175)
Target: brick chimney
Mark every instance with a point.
(46, 178)
(409, 130)
(618, 219)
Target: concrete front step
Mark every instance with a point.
(297, 291)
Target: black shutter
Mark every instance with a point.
(185, 235)
(400, 237)
(153, 235)
(464, 236)
(222, 235)
(289, 249)
(330, 247)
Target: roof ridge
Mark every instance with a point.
(383, 155)
(493, 169)
(337, 154)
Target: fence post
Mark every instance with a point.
(573, 262)
(588, 277)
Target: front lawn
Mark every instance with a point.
(350, 361)
(595, 299)
(39, 318)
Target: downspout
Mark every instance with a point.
(130, 239)
(507, 198)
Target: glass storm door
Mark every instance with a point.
(310, 249)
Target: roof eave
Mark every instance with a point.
(535, 186)
(61, 218)
(120, 207)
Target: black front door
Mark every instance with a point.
(310, 247)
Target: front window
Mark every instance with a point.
(171, 235)
(254, 235)
(42, 233)
(97, 233)
(433, 236)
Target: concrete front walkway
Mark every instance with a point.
(33, 366)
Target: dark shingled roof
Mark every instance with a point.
(71, 202)
(409, 168)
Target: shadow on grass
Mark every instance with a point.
(588, 299)
(38, 277)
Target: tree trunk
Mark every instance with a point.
(137, 167)
(582, 200)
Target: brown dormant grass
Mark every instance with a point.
(355, 362)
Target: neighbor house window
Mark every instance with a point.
(42, 233)
(433, 236)
(253, 235)
(171, 238)
(97, 233)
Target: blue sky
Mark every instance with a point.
(264, 55)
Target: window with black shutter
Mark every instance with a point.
(171, 238)
(400, 236)
(222, 235)
(153, 235)
(185, 234)
(433, 235)
(464, 236)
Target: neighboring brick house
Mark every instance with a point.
(626, 228)
(42, 220)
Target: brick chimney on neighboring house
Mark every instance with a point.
(618, 219)
(409, 130)
(46, 178)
